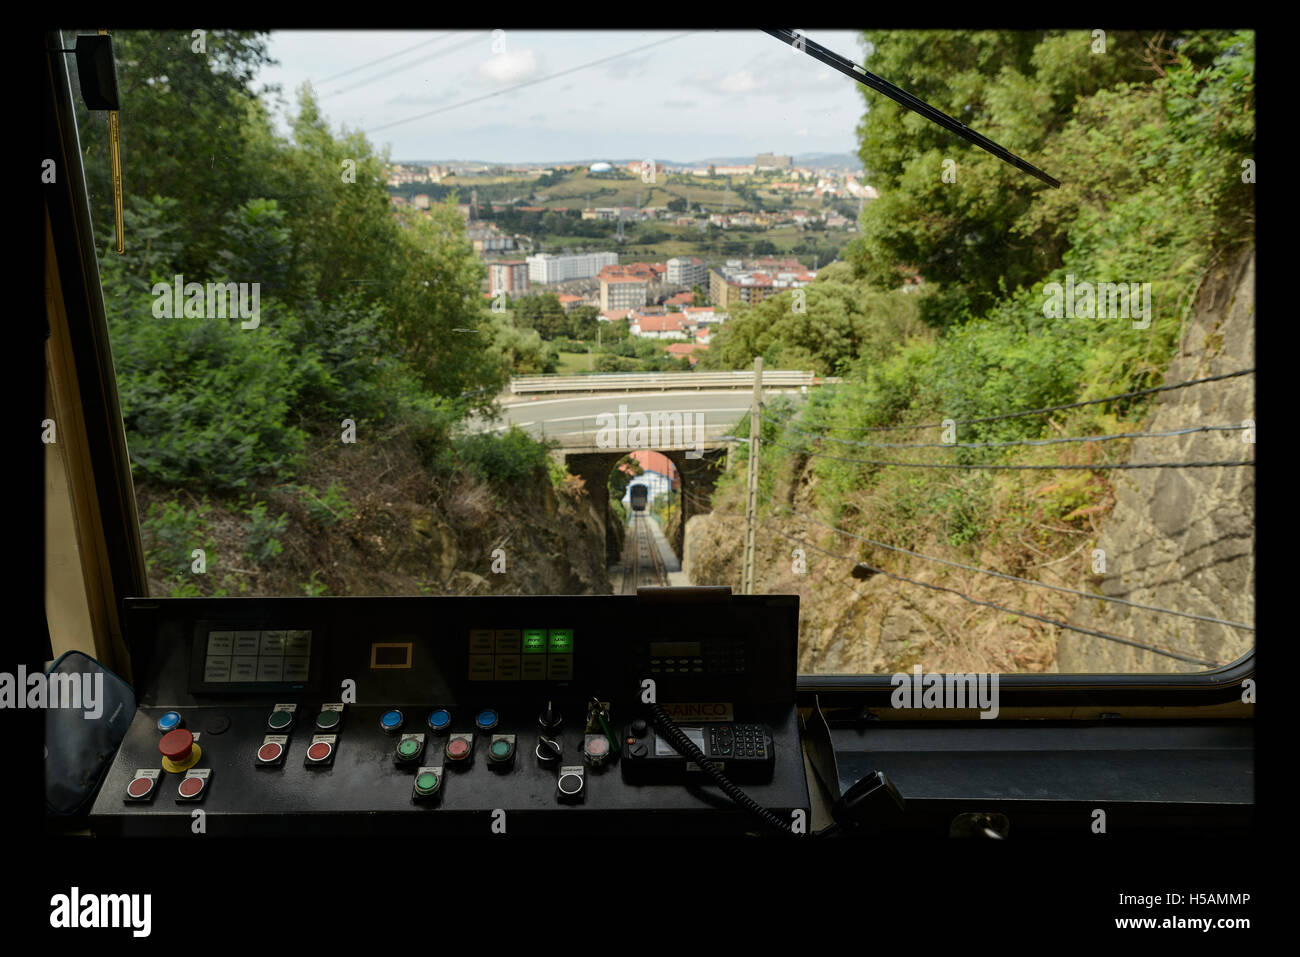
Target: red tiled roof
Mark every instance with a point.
(670, 323)
(636, 270)
(653, 461)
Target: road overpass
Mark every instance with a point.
(596, 420)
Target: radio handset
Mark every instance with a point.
(660, 751)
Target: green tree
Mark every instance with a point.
(841, 322)
(583, 322)
(186, 120)
(621, 475)
(1018, 88)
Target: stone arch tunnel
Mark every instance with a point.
(699, 477)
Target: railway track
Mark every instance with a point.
(642, 563)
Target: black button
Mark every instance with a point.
(217, 724)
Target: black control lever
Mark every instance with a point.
(872, 798)
(550, 719)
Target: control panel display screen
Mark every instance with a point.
(521, 654)
(662, 747)
(276, 657)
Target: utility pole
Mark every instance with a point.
(751, 498)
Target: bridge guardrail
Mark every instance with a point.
(628, 381)
(658, 430)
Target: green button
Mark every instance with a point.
(409, 748)
(561, 641)
(426, 782)
(534, 641)
(327, 719)
(500, 749)
(281, 719)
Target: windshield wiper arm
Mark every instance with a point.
(915, 104)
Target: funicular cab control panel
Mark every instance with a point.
(404, 715)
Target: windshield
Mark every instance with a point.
(478, 312)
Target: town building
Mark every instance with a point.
(752, 282)
(545, 267)
(689, 350)
(687, 271)
(704, 315)
(509, 276)
(658, 475)
(486, 237)
(622, 292)
(671, 326)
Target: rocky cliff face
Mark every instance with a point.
(1175, 538)
(1184, 538)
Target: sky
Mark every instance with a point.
(690, 96)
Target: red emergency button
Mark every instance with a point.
(270, 752)
(140, 787)
(319, 751)
(176, 745)
(191, 788)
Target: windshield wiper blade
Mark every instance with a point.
(913, 103)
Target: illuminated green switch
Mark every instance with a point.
(534, 641)
(561, 641)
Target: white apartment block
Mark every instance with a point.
(545, 267)
(687, 271)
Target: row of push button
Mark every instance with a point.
(144, 785)
(439, 721)
(282, 718)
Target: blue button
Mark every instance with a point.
(170, 721)
(392, 720)
(440, 720)
(486, 720)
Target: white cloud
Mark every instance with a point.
(742, 81)
(509, 67)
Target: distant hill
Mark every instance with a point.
(843, 160)
(839, 160)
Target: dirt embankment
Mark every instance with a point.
(400, 530)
